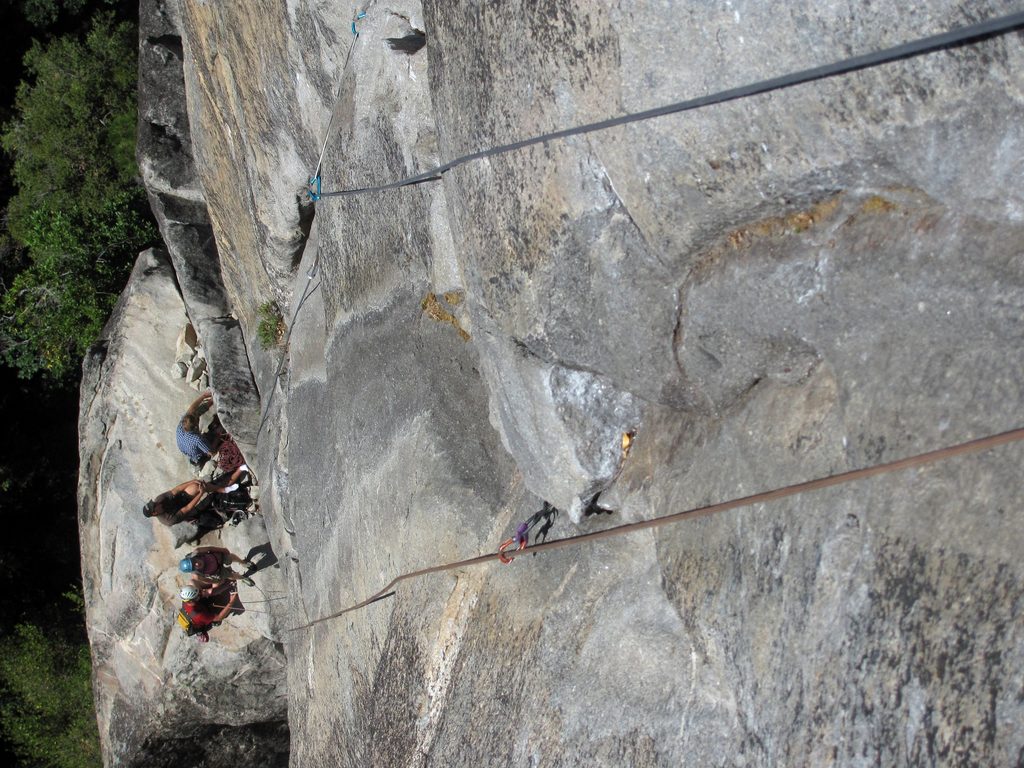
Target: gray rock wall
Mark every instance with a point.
(761, 315)
(582, 252)
(763, 292)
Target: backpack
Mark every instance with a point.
(187, 621)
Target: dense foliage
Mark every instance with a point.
(39, 561)
(42, 13)
(74, 219)
(48, 712)
(79, 213)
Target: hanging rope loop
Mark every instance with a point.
(921, 459)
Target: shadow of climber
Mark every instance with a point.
(262, 556)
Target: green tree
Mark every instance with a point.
(56, 307)
(47, 708)
(71, 140)
(79, 212)
(42, 13)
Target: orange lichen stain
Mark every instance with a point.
(913, 194)
(878, 204)
(454, 298)
(627, 442)
(799, 221)
(432, 308)
(776, 226)
(819, 212)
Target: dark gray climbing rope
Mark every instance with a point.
(954, 38)
(314, 179)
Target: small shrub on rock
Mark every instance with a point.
(271, 327)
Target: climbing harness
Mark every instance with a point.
(521, 537)
(921, 459)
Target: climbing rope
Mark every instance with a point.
(313, 183)
(954, 38)
(266, 597)
(306, 293)
(942, 454)
(315, 176)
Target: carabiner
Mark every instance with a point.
(506, 559)
(314, 196)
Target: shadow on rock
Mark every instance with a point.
(595, 508)
(262, 556)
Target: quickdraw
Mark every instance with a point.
(522, 534)
(360, 15)
(314, 195)
(314, 182)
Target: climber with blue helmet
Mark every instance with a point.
(211, 571)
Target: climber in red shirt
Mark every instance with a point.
(199, 615)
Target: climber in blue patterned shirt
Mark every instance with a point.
(198, 447)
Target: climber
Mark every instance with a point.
(198, 502)
(199, 615)
(183, 503)
(211, 570)
(199, 447)
(214, 442)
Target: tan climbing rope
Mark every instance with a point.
(931, 457)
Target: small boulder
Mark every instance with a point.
(185, 346)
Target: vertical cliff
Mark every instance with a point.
(766, 291)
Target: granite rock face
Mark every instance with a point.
(157, 692)
(762, 292)
(166, 158)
